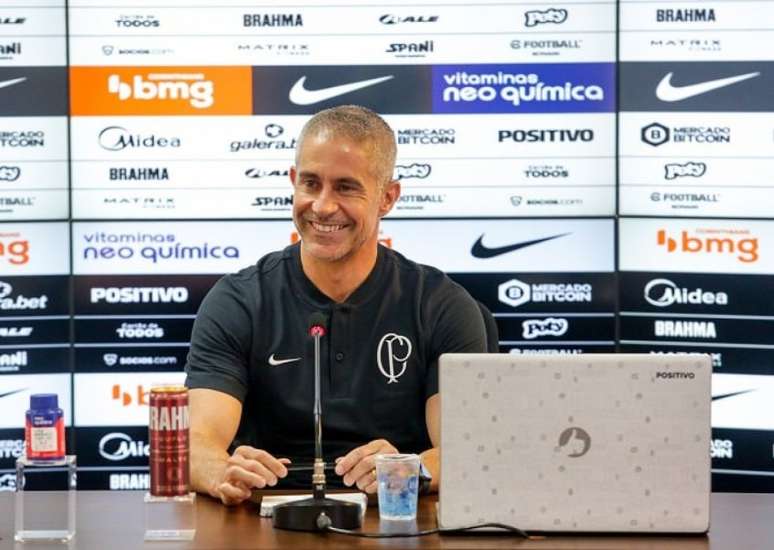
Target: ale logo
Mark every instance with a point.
(733, 242)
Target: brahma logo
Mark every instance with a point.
(14, 249)
(161, 90)
(712, 241)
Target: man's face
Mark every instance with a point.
(337, 200)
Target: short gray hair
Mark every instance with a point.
(364, 127)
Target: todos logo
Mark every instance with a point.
(533, 88)
(154, 247)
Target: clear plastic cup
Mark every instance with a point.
(397, 476)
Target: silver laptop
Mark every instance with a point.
(596, 443)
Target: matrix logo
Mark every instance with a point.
(712, 241)
(574, 442)
(534, 18)
(192, 88)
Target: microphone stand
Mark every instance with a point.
(314, 514)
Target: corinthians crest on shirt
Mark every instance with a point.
(392, 355)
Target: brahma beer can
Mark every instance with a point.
(169, 441)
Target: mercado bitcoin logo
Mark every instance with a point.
(161, 90)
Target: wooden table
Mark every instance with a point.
(114, 521)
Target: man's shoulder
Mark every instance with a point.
(266, 272)
(429, 278)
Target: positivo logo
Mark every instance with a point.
(574, 442)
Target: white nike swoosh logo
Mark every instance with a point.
(301, 96)
(6, 83)
(666, 92)
(276, 362)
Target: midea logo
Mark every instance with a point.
(117, 446)
(664, 293)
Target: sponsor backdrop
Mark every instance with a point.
(145, 152)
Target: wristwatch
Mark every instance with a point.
(424, 479)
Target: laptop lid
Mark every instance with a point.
(596, 443)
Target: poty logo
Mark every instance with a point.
(712, 241)
(193, 88)
(392, 356)
(556, 16)
(414, 170)
(9, 173)
(140, 397)
(574, 442)
(551, 326)
(117, 446)
(13, 249)
(664, 293)
(139, 295)
(689, 169)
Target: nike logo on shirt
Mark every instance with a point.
(302, 96)
(274, 362)
(6, 83)
(665, 91)
(481, 251)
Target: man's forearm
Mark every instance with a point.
(431, 458)
(208, 462)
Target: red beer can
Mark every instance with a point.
(169, 441)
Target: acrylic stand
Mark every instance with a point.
(45, 500)
(170, 518)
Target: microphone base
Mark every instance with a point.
(302, 515)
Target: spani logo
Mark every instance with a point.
(574, 442)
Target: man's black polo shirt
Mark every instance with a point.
(379, 358)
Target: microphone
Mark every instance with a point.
(318, 512)
(317, 329)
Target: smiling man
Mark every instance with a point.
(250, 368)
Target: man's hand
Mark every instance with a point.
(358, 466)
(248, 467)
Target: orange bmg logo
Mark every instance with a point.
(713, 241)
(14, 249)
